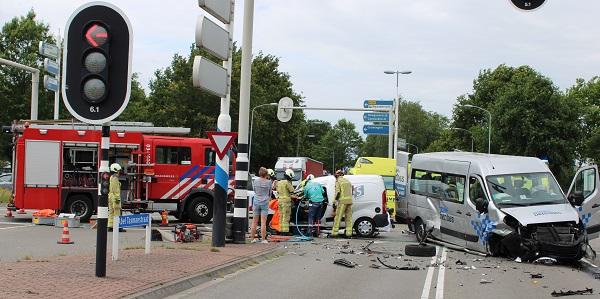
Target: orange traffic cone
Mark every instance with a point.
(21, 211)
(164, 217)
(65, 239)
(8, 213)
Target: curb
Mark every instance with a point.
(188, 282)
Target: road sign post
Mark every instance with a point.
(52, 66)
(134, 220)
(211, 77)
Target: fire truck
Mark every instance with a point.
(56, 167)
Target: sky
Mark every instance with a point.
(336, 50)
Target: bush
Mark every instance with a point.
(5, 196)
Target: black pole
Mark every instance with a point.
(240, 209)
(102, 210)
(219, 214)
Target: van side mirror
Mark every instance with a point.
(481, 205)
(576, 198)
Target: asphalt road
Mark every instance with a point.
(307, 271)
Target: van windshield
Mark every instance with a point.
(525, 189)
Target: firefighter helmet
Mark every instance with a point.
(270, 172)
(310, 177)
(289, 173)
(115, 167)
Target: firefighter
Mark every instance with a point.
(343, 200)
(114, 195)
(285, 196)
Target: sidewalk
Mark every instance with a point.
(74, 276)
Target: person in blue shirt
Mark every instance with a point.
(314, 192)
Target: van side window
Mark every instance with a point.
(585, 182)
(475, 189)
(166, 155)
(453, 188)
(418, 183)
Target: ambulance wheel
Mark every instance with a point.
(200, 210)
(364, 227)
(81, 206)
(419, 250)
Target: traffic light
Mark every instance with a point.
(97, 63)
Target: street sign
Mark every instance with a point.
(50, 83)
(212, 38)
(217, 8)
(134, 220)
(48, 50)
(284, 114)
(210, 76)
(221, 142)
(370, 116)
(380, 123)
(96, 82)
(51, 66)
(378, 103)
(376, 130)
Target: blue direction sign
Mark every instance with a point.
(50, 83)
(376, 117)
(134, 220)
(378, 103)
(376, 130)
(51, 66)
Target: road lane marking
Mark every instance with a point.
(428, 278)
(11, 227)
(439, 293)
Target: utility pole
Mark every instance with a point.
(35, 84)
(240, 209)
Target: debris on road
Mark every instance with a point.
(572, 293)
(518, 260)
(484, 281)
(459, 262)
(345, 263)
(407, 267)
(537, 275)
(374, 266)
(546, 261)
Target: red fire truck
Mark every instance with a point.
(56, 167)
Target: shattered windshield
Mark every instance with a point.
(525, 189)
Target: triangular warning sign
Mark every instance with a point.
(221, 142)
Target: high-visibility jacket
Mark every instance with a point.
(274, 205)
(284, 190)
(114, 189)
(343, 190)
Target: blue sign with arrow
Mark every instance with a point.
(376, 130)
(376, 117)
(378, 103)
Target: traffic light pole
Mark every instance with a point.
(102, 220)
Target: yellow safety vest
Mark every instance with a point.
(343, 188)
(114, 188)
(284, 188)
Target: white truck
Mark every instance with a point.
(302, 167)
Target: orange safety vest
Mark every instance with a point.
(274, 205)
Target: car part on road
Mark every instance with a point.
(537, 275)
(459, 262)
(484, 281)
(571, 293)
(545, 261)
(345, 263)
(420, 250)
(407, 267)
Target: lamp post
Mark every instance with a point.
(394, 144)
(414, 146)
(461, 129)
(251, 124)
(489, 124)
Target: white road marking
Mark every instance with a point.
(439, 293)
(428, 278)
(11, 227)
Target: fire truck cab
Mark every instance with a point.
(56, 167)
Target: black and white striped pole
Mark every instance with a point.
(240, 210)
(102, 220)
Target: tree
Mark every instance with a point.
(136, 108)
(587, 96)
(530, 117)
(344, 141)
(19, 41)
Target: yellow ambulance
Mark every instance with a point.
(384, 167)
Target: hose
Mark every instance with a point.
(303, 238)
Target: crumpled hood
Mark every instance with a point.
(543, 214)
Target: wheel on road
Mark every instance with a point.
(364, 227)
(419, 250)
(200, 210)
(81, 206)
(420, 231)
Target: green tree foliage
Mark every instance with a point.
(136, 110)
(530, 117)
(587, 96)
(19, 41)
(344, 141)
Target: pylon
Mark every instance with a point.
(8, 213)
(21, 211)
(65, 238)
(164, 216)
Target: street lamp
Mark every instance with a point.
(461, 129)
(251, 124)
(298, 143)
(489, 124)
(394, 144)
(414, 146)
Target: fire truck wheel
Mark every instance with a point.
(200, 210)
(80, 205)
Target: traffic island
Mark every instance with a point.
(169, 269)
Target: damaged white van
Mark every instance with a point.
(500, 205)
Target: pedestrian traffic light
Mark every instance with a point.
(97, 63)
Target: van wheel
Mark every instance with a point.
(419, 250)
(420, 231)
(81, 206)
(200, 210)
(364, 227)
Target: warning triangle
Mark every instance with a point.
(221, 142)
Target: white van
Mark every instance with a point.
(584, 195)
(501, 205)
(368, 204)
